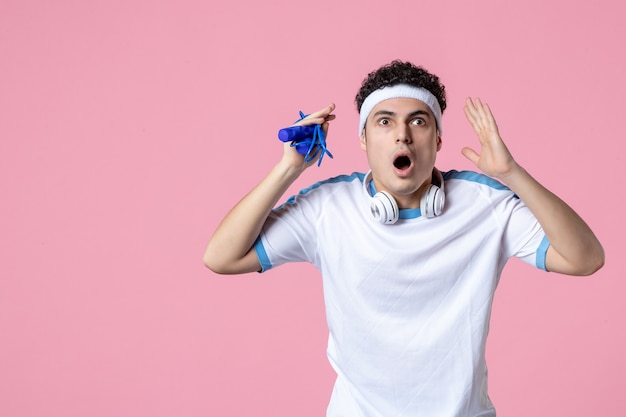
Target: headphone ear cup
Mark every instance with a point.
(384, 208)
(432, 201)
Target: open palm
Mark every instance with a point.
(494, 159)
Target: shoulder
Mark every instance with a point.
(322, 190)
(332, 183)
(472, 188)
(340, 180)
(473, 178)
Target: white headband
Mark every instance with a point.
(399, 91)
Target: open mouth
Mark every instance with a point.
(402, 162)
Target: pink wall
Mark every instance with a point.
(129, 128)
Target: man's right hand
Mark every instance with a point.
(291, 157)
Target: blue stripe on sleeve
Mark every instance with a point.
(474, 177)
(262, 255)
(541, 253)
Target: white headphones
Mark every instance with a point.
(385, 209)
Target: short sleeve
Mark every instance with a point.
(524, 237)
(288, 235)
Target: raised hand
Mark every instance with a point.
(494, 159)
(321, 117)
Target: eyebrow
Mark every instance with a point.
(391, 113)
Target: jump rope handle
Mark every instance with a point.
(309, 141)
(296, 133)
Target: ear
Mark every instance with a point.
(363, 141)
(439, 142)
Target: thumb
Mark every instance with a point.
(471, 154)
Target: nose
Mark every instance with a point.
(403, 134)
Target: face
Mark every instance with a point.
(401, 141)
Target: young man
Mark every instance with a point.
(410, 257)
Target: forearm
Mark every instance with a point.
(574, 249)
(229, 250)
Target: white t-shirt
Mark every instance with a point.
(408, 304)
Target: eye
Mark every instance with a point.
(417, 122)
(384, 122)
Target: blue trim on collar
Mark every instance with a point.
(404, 214)
(410, 213)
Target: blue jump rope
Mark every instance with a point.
(309, 141)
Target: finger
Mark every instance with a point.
(480, 116)
(473, 109)
(471, 154)
(318, 117)
(469, 107)
(486, 115)
(480, 112)
(491, 121)
(473, 104)
(472, 117)
(323, 113)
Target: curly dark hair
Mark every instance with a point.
(399, 72)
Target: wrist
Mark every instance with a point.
(515, 177)
(288, 171)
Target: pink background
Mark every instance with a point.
(129, 128)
